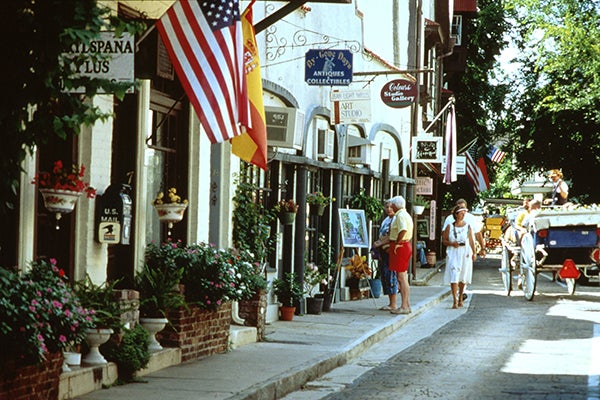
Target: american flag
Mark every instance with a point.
(204, 41)
(496, 155)
(476, 171)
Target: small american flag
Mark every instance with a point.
(204, 41)
(496, 155)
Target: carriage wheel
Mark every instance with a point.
(505, 270)
(527, 259)
(571, 283)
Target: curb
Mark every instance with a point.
(293, 379)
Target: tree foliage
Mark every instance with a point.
(35, 35)
(478, 99)
(554, 105)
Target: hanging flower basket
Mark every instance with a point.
(170, 212)
(317, 209)
(60, 201)
(287, 218)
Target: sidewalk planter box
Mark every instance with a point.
(26, 382)
(254, 312)
(197, 331)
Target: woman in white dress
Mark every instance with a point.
(460, 254)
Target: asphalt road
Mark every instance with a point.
(496, 347)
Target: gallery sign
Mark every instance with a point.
(399, 93)
(328, 67)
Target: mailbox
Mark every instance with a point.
(113, 215)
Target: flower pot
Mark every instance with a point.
(327, 300)
(287, 218)
(96, 337)
(72, 358)
(60, 201)
(170, 212)
(317, 209)
(286, 313)
(314, 305)
(153, 326)
(418, 210)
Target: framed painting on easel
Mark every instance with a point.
(354, 228)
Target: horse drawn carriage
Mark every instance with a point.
(561, 240)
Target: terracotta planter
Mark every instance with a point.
(286, 313)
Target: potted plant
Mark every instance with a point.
(289, 293)
(359, 273)
(61, 188)
(328, 266)
(313, 278)
(372, 206)
(106, 318)
(170, 208)
(318, 201)
(158, 285)
(286, 211)
(420, 204)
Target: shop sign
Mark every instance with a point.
(424, 185)
(351, 106)
(399, 93)
(107, 57)
(328, 67)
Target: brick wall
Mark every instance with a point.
(32, 382)
(253, 311)
(198, 332)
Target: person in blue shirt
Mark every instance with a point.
(389, 281)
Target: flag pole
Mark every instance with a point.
(450, 102)
(467, 146)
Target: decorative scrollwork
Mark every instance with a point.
(277, 45)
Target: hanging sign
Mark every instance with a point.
(328, 67)
(399, 93)
(351, 106)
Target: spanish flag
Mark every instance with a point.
(251, 146)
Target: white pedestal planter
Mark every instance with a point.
(154, 325)
(94, 338)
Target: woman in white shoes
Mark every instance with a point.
(460, 254)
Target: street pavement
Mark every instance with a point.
(292, 354)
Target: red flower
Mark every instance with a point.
(63, 180)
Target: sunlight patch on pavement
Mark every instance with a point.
(555, 357)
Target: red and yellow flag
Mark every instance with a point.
(251, 146)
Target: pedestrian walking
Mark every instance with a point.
(460, 254)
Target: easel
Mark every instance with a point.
(338, 274)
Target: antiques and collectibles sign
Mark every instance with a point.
(328, 67)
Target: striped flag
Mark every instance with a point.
(205, 44)
(496, 155)
(450, 175)
(476, 171)
(252, 145)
